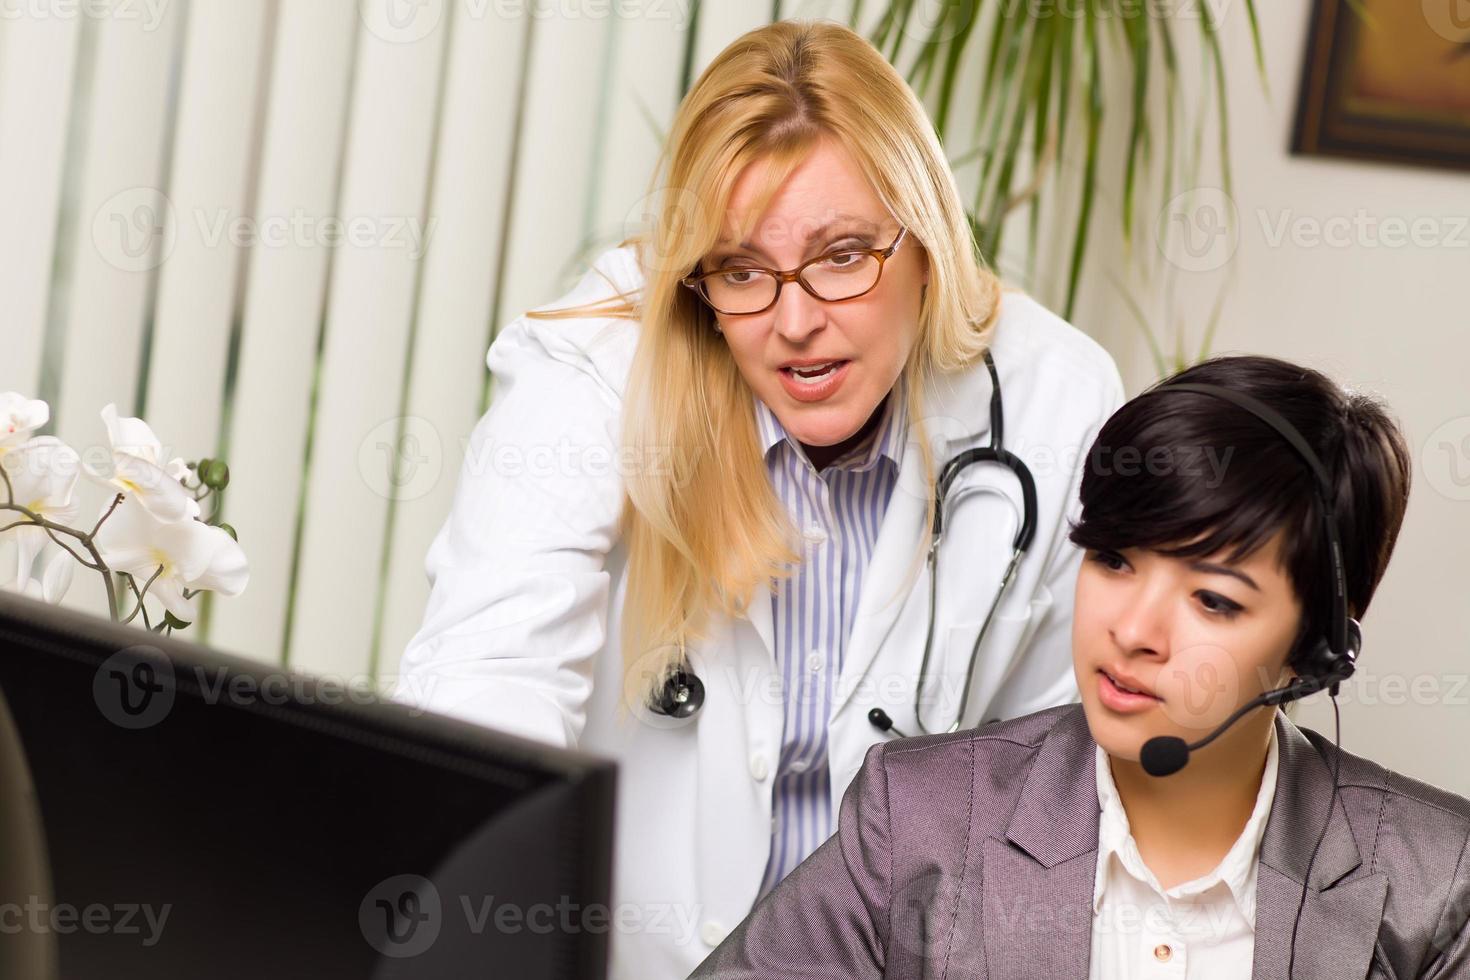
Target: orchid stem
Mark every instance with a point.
(36, 520)
(133, 583)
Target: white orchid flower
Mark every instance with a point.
(192, 555)
(19, 417)
(138, 469)
(43, 477)
(52, 585)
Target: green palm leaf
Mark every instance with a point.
(1037, 62)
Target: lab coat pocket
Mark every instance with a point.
(996, 660)
(945, 685)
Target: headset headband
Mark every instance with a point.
(1337, 636)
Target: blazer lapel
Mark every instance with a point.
(1037, 883)
(1340, 919)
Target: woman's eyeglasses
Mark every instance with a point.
(742, 290)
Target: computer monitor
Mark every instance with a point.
(170, 811)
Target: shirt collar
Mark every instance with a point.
(1237, 869)
(887, 440)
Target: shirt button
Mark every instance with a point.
(815, 534)
(1162, 952)
(814, 660)
(712, 933)
(758, 767)
(799, 766)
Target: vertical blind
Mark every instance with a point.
(284, 232)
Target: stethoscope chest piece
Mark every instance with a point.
(682, 695)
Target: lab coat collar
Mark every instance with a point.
(956, 408)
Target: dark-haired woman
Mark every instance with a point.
(1056, 845)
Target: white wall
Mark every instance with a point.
(481, 127)
(1388, 318)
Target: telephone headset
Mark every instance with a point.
(1324, 661)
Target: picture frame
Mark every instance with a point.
(1387, 81)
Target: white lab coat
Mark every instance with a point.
(522, 627)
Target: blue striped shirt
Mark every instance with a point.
(839, 511)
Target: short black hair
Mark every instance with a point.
(1188, 474)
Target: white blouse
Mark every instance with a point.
(1198, 930)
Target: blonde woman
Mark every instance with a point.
(694, 530)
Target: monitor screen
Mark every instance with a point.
(170, 811)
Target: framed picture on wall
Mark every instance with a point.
(1387, 80)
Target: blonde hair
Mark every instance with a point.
(703, 533)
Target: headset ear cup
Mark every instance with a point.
(1331, 666)
(1345, 663)
(1316, 659)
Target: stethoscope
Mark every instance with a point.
(682, 693)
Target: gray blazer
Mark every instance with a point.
(973, 854)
